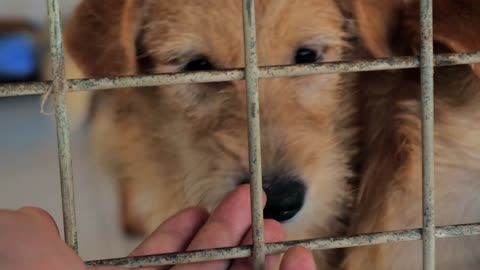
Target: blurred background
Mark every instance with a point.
(28, 151)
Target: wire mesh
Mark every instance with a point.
(60, 86)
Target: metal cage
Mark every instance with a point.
(426, 62)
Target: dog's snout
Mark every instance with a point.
(285, 196)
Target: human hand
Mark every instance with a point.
(29, 239)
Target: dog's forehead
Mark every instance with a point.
(223, 18)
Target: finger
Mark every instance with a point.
(225, 228)
(273, 233)
(174, 234)
(298, 258)
(30, 239)
(41, 215)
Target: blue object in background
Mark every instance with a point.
(18, 57)
(21, 124)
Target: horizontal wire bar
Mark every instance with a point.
(276, 248)
(22, 89)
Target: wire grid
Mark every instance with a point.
(60, 86)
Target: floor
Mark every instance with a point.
(29, 177)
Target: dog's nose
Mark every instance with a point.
(285, 197)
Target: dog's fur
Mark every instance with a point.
(390, 194)
(183, 145)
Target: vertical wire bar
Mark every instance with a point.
(62, 124)
(253, 110)
(427, 82)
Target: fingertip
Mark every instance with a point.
(298, 258)
(187, 220)
(274, 231)
(242, 191)
(33, 211)
(195, 214)
(264, 198)
(235, 204)
(197, 211)
(173, 234)
(245, 189)
(40, 214)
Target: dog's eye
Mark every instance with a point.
(198, 64)
(306, 56)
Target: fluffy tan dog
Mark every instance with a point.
(390, 195)
(183, 145)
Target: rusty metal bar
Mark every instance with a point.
(20, 89)
(427, 83)
(24, 89)
(254, 146)
(275, 248)
(61, 117)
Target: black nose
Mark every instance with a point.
(285, 196)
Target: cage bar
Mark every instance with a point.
(276, 248)
(448, 59)
(62, 124)
(254, 146)
(428, 180)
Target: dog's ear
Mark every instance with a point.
(100, 37)
(392, 27)
(456, 26)
(100, 41)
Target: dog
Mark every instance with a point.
(176, 146)
(390, 191)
